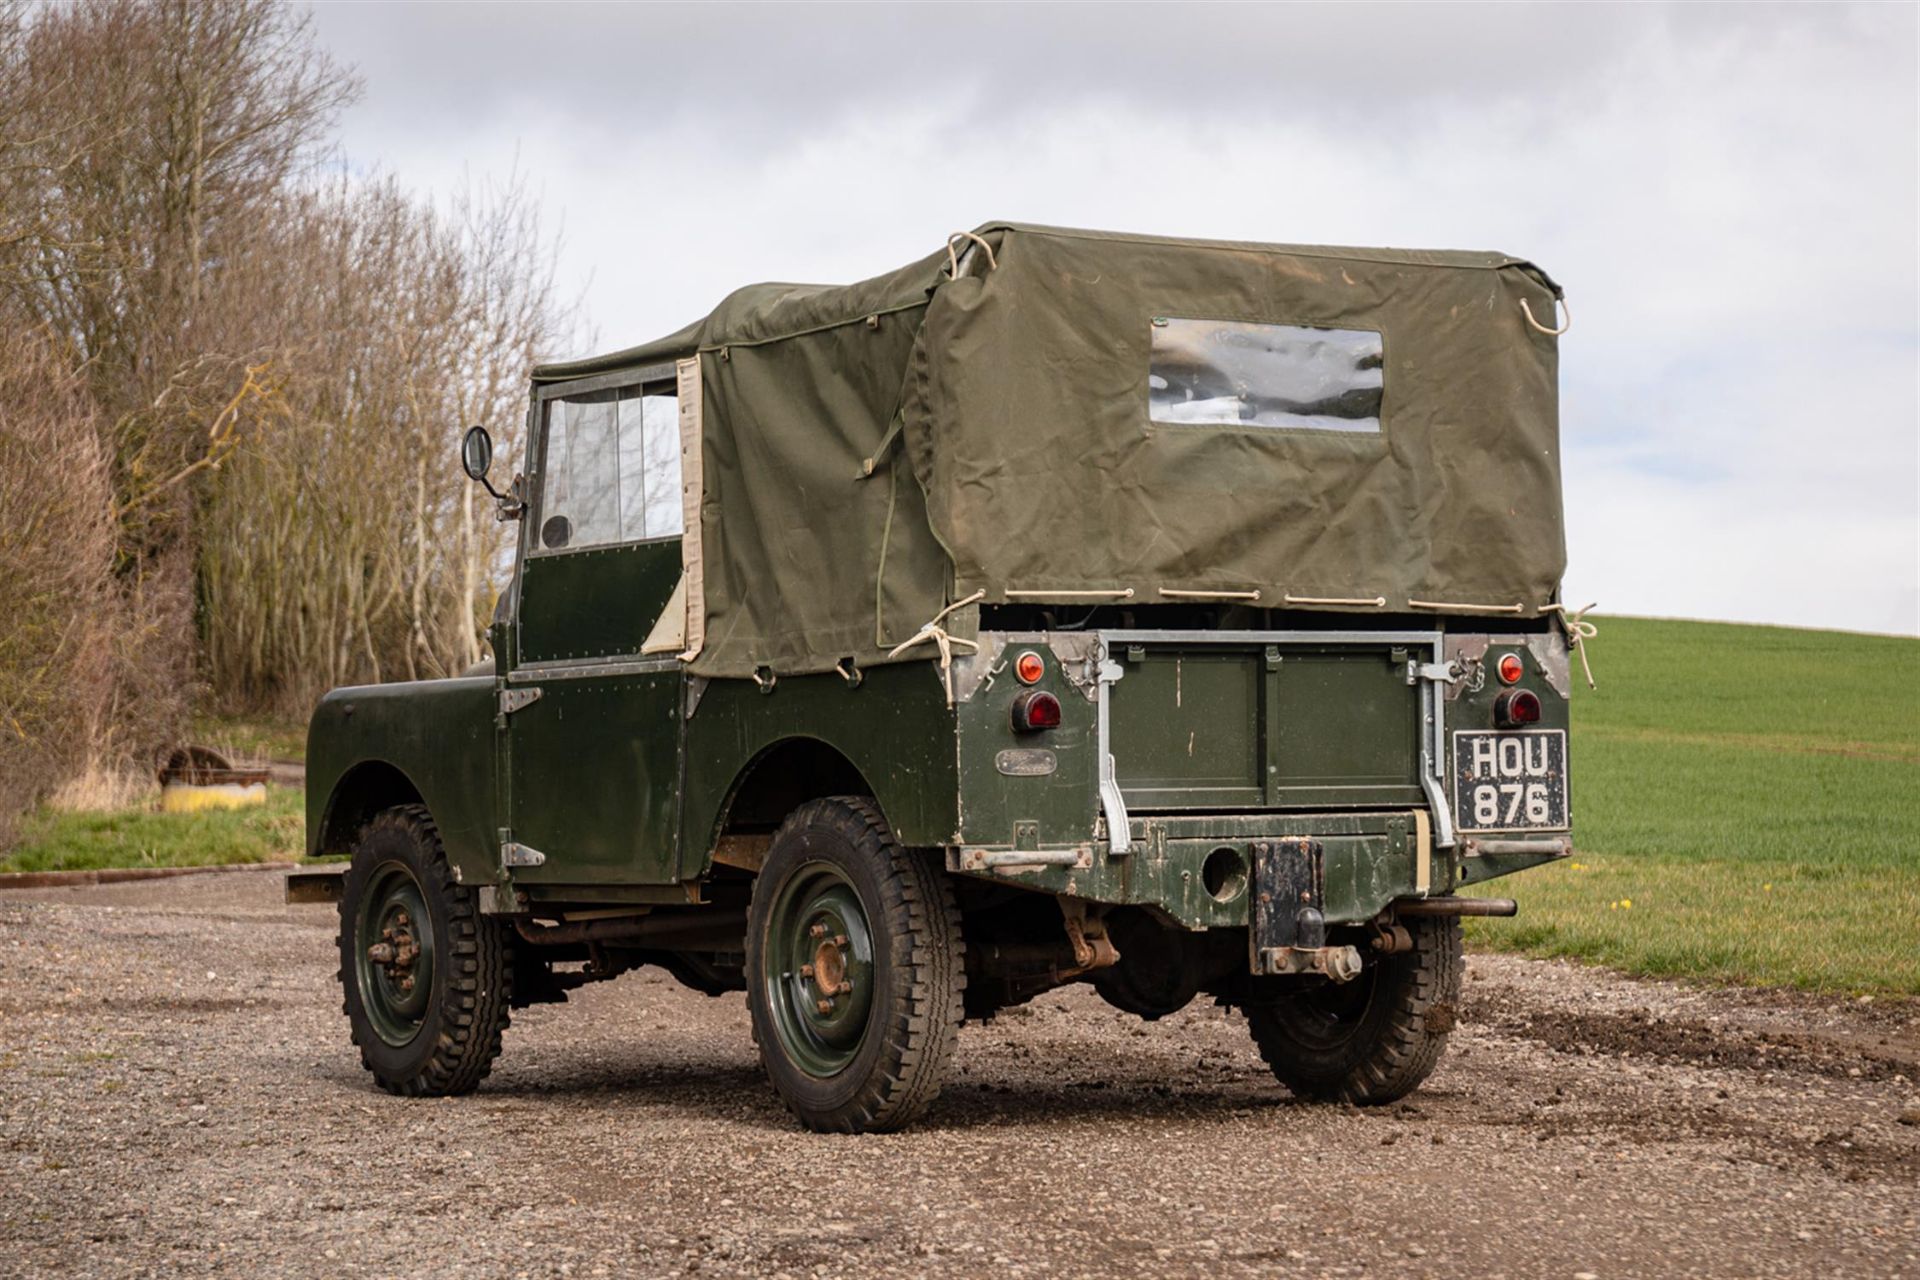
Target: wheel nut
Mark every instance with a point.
(380, 953)
(839, 939)
(806, 971)
(406, 983)
(824, 1006)
(818, 931)
(845, 989)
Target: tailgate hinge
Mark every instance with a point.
(1113, 806)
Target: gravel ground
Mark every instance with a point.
(178, 1097)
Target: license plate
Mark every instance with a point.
(1510, 781)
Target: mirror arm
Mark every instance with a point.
(512, 505)
(509, 505)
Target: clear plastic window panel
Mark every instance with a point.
(611, 472)
(1274, 376)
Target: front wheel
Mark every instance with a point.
(1374, 1039)
(854, 970)
(428, 979)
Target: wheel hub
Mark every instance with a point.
(395, 948)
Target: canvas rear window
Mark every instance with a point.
(1271, 376)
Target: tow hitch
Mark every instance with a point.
(1289, 933)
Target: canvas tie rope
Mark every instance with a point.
(1118, 593)
(1552, 333)
(1173, 594)
(953, 255)
(1579, 631)
(938, 635)
(1376, 602)
(1455, 606)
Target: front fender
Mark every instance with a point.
(436, 737)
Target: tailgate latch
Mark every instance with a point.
(1439, 672)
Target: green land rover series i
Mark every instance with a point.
(1173, 616)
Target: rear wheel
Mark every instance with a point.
(427, 978)
(854, 970)
(1371, 1040)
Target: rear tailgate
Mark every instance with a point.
(1218, 721)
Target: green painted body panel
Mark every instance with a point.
(1348, 728)
(1189, 728)
(1056, 808)
(594, 761)
(594, 603)
(1266, 726)
(439, 734)
(894, 727)
(596, 779)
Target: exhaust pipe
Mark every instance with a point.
(1456, 907)
(691, 931)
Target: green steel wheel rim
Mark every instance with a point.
(819, 969)
(394, 953)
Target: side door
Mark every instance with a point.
(593, 730)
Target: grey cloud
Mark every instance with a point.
(761, 75)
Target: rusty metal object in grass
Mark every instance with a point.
(196, 778)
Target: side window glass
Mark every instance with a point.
(611, 469)
(650, 474)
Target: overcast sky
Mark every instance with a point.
(1728, 196)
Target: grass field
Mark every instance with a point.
(1746, 807)
(56, 840)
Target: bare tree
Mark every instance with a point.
(429, 324)
(263, 372)
(56, 565)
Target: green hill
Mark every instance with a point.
(1746, 807)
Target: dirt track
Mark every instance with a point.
(177, 1096)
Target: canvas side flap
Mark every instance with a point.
(692, 591)
(669, 634)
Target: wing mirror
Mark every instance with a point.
(476, 458)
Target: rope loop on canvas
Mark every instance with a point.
(937, 634)
(1461, 606)
(1579, 631)
(1358, 602)
(953, 254)
(1551, 333)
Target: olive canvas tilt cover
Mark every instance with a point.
(1072, 416)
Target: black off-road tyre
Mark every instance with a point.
(1373, 1040)
(443, 1040)
(837, 884)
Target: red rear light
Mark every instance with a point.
(1034, 710)
(1511, 668)
(1029, 667)
(1516, 707)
